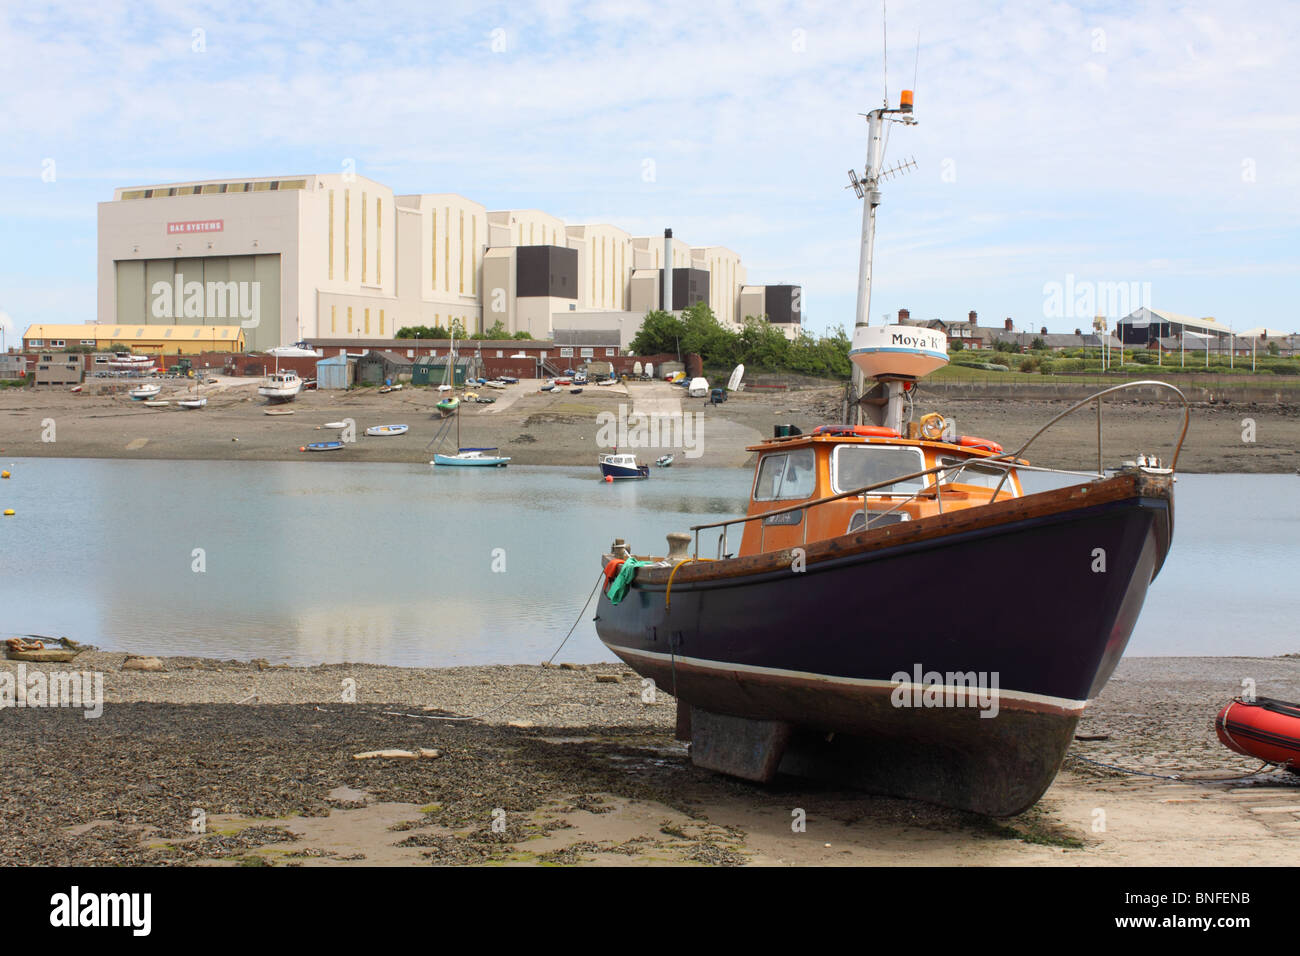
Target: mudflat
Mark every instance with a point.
(542, 428)
(242, 763)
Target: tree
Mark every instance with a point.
(521, 335)
(660, 332)
(421, 332)
(498, 331)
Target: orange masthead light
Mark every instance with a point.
(905, 101)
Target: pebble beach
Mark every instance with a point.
(574, 764)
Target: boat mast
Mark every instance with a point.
(868, 189)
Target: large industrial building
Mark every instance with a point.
(340, 256)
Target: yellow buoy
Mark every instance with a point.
(8, 512)
(4, 474)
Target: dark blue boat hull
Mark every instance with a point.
(1011, 594)
(618, 472)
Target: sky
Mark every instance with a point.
(1148, 149)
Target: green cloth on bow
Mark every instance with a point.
(623, 580)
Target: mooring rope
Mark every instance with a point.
(527, 687)
(1161, 776)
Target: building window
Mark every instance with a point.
(363, 237)
(609, 353)
(333, 319)
(446, 250)
(347, 234)
(366, 319)
(331, 259)
(57, 343)
(379, 243)
(473, 265)
(461, 245)
(88, 342)
(500, 354)
(349, 320)
(381, 322)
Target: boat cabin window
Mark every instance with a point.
(859, 521)
(985, 476)
(855, 466)
(786, 475)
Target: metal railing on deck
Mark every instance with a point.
(1006, 461)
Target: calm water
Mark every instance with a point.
(311, 562)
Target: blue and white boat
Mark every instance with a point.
(618, 467)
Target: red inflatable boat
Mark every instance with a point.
(1264, 728)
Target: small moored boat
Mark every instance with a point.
(448, 405)
(323, 446)
(385, 431)
(192, 402)
(472, 458)
(664, 461)
(620, 467)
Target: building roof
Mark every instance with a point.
(1264, 332)
(387, 356)
(592, 337)
(135, 332)
(1143, 316)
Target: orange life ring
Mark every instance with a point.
(966, 441)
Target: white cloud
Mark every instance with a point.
(751, 137)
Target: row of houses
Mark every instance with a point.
(1146, 328)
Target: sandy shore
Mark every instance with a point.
(536, 428)
(574, 765)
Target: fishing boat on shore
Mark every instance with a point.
(143, 393)
(136, 364)
(280, 387)
(386, 431)
(862, 628)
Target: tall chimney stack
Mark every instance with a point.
(903, 316)
(667, 302)
(1010, 326)
(973, 318)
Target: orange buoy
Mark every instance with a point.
(302, 447)
(609, 478)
